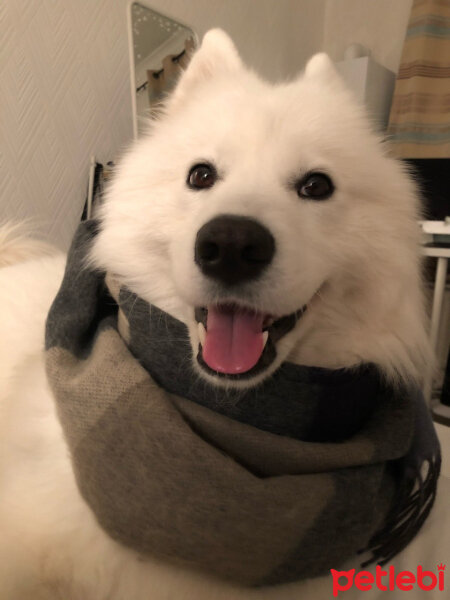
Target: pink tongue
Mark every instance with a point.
(234, 339)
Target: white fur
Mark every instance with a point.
(359, 250)
(16, 245)
(354, 259)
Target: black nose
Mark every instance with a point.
(233, 249)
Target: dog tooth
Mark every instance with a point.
(265, 337)
(201, 333)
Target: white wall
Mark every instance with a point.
(64, 94)
(378, 24)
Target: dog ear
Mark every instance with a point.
(216, 55)
(320, 67)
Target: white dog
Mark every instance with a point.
(301, 159)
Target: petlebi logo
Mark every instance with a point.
(388, 579)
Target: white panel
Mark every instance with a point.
(372, 84)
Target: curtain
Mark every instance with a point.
(419, 123)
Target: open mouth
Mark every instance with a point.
(237, 342)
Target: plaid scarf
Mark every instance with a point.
(262, 486)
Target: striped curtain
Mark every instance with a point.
(419, 123)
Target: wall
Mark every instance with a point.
(64, 95)
(378, 24)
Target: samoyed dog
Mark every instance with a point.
(295, 168)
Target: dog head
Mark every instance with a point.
(270, 220)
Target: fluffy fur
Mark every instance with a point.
(353, 259)
(17, 245)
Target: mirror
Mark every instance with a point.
(159, 47)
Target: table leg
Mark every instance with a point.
(438, 297)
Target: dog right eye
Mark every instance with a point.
(202, 176)
(315, 186)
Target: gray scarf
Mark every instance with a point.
(264, 486)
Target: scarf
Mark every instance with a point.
(260, 486)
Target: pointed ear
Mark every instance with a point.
(216, 55)
(321, 68)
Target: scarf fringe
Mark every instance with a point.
(410, 509)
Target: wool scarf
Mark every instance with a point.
(261, 486)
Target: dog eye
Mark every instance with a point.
(315, 186)
(202, 177)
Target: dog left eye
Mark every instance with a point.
(201, 177)
(315, 186)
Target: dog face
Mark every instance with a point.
(259, 215)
